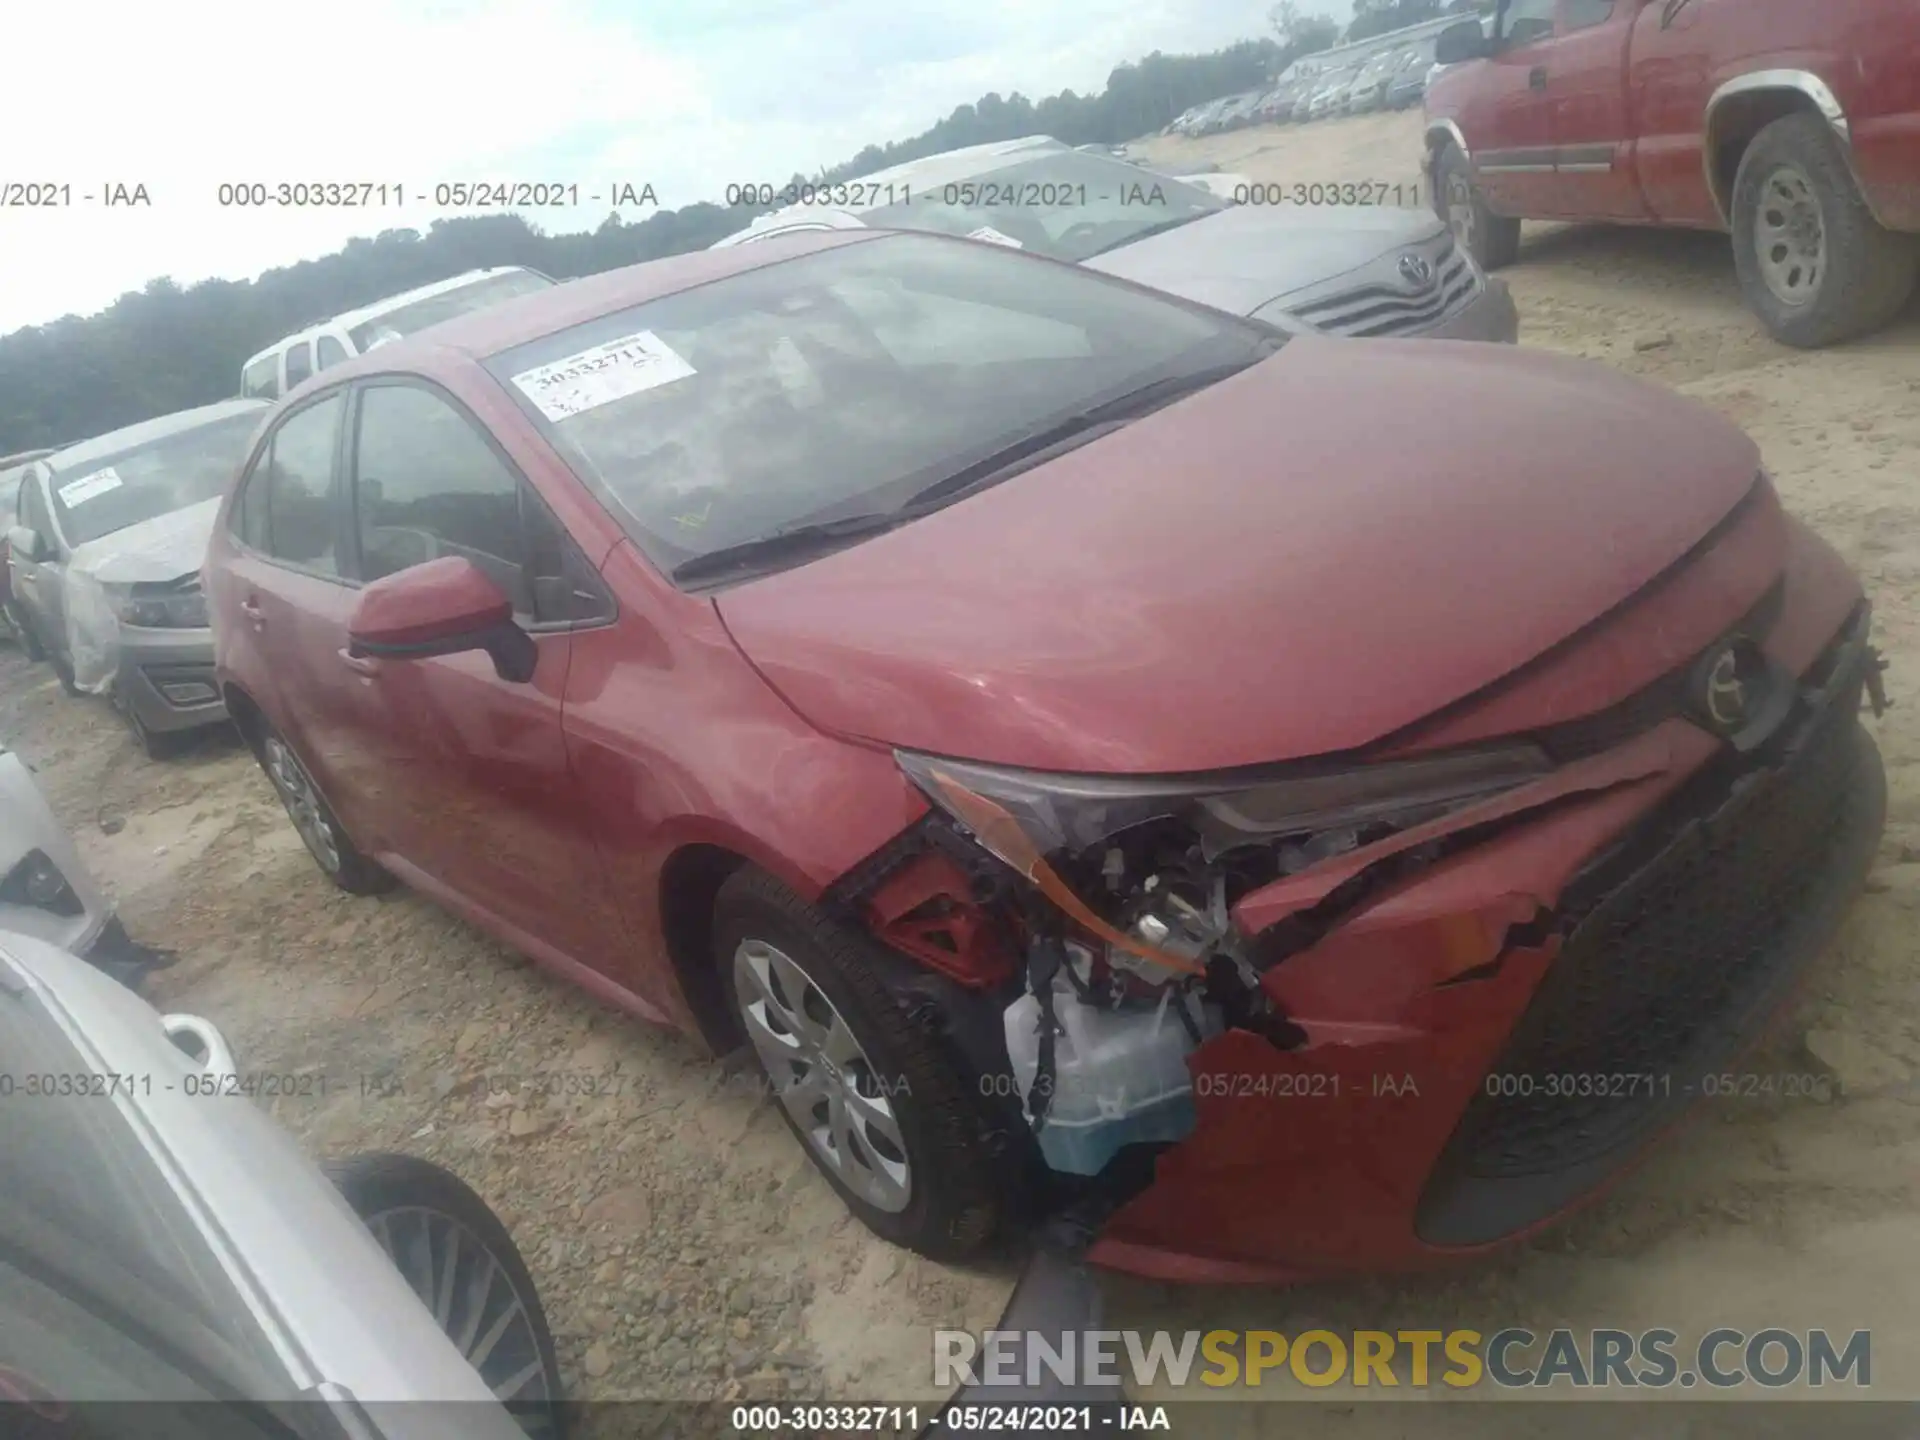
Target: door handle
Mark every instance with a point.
(359, 664)
(255, 615)
(1537, 78)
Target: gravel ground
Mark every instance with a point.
(684, 1246)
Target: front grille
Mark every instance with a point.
(1391, 307)
(1677, 944)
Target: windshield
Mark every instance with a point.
(98, 497)
(1065, 205)
(411, 319)
(843, 382)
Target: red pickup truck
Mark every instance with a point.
(1794, 124)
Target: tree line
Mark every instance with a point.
(168, 347)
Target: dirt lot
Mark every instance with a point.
(685, 1247)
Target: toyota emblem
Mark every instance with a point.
(1415, 270)
(1726, 691)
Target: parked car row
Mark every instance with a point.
(1393, 78)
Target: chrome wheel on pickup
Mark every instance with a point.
(1493, 240)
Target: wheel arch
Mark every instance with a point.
(690, 884)
(1438, 135)
(1742, 107)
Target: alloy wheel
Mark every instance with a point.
(822, 1075)
(474, 1301)
(290, 778)
(1790, 237)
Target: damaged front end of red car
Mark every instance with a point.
(1381, 1009)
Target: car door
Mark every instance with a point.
(1508, 121)
(36, 580)
(293, 592)
(484, 806)
(1680, 55)
(1594, 173)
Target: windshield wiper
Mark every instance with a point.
(1159, 227)
(1043, 444)
(787, 541)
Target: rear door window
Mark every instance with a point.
(288, 507)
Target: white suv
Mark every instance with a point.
(285, 363)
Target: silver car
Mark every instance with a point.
(1347, 269)
(105, 554)
(164, 1245)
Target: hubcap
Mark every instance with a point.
(474, 1302)
(1790, 237)
(822, 1075)
(303, 804)
(1460, 211)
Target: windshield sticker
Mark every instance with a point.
(599, 376)
(994, 237)
(78, 492)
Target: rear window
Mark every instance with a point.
(411, 319)
(97, 497)
(842, 381)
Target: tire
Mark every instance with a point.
(414, 1207)
(1493, 240)
(929, 1186)
(154, 744)
(1797, 212)
(63, 667)
(326, 839)
(30, 645)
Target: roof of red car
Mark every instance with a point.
(527, 317)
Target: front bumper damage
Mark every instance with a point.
(1495, 1041)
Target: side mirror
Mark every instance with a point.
(444, 607)
(27, 543)
(1462, 42)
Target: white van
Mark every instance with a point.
(285, 363)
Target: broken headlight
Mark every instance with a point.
(1042, 824)
(1045, 813)
(167, 608)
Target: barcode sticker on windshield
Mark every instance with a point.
(602, 375)
(994, 237)
(78, 492)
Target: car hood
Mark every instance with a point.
(163, 548)
(1251, 255)
(1298, 561)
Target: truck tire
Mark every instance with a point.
(1493, 240)
(886, 1119)
(1813, 262)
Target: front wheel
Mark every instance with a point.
(1493, 240)
(460, 1260)
(873, 1098)
(1813, 262)
(319, 827)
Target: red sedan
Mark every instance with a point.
(1315, 804)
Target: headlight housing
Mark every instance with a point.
(168, 608)
(1055, 812)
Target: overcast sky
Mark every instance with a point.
(689, 97)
